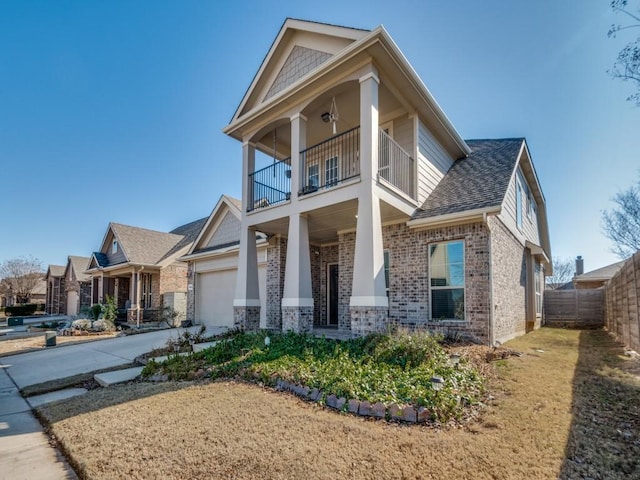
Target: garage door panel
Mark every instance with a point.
(215, 292)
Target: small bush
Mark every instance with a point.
(81, 324)
(103, 325)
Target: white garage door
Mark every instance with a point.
(214, 297)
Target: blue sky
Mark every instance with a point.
(112, 111)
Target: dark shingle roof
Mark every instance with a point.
(478, 181)
(190, 231)
(101, 258)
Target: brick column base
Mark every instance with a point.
(246, 318)
(132, 316)
(366, 320)
(298, 319)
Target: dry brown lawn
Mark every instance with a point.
(539, 424)
(11, 346)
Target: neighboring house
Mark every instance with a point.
(377, 211)
(213, 267)
(138, 267)
(597, 278)
(39, 293)
(8, 296)
(77, 284)
(56, 299)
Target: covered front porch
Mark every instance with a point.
(135, 290)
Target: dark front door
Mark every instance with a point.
(332, 282)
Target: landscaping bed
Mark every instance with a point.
(392, 371)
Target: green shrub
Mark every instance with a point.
(394, 368)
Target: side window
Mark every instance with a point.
(446, 280)
(114, 247)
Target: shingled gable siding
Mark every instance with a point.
(530, 229)
(227, 232)
(509, 282)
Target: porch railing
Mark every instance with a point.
(395, 165)
(331, 162)
(270, 185)
(328, 164)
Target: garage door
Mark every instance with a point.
(214, 297)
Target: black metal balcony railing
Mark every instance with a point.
(328, 164)
(270, 185)
(395, 165)
(331, 162)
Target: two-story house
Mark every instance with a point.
(376, 210)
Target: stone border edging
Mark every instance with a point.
(378, 410)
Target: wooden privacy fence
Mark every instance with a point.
(622, 304)
(574, 308)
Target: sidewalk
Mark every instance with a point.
(55, 363)
(25, 452)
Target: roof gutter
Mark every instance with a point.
(222, 251)
(478, 214)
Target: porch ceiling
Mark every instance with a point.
(326, 222)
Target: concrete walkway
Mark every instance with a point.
(25, 452)
(65, 361)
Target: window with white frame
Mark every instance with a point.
(331, 171)
(114, 247)
(446, 280)
(539, 282)
(518, 203)
(313, 175)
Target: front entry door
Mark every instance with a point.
(332, 283)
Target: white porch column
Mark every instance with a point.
(246, 304)
(298, 143)
(297, 299)
(369, 306)
(248, 166)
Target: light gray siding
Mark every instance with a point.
(227, 232)
(529, 229)
(117, 257)
(403, 133)
(433, 162)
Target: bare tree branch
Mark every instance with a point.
(627, 64)
(21, 276)
(621, 224)
(563, 271)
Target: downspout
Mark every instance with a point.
(490, 326)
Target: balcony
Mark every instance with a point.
(270, 185)
(329, 164)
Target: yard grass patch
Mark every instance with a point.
(538, 425)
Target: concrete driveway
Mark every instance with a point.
(64, 361)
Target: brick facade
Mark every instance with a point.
(246, 318)
(509, 272)
(409, 281)
(56, 299)
(276, 260)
